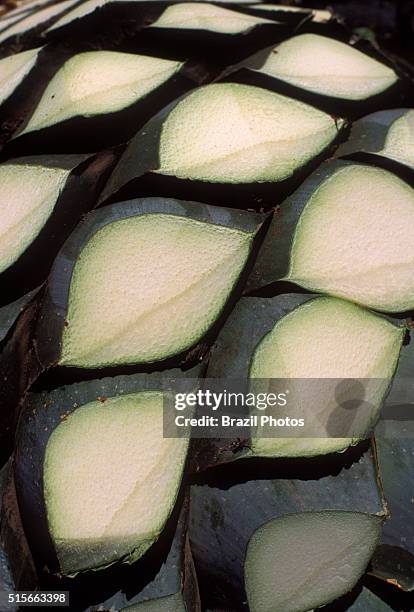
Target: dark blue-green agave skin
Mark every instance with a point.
(230, 501)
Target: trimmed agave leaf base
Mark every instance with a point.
(237, 103)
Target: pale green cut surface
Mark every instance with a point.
(9, 18)
(325, 338)
(90, 6)
(27, 6)
(78, 12)
(298, 562)
(236, 133)
(28, 195)
(172, 603)
(353, 239)
(329, 67)
(110, 480)
(86, 8)
(317, 15)
(13, 70)
(98, 82)
(399, 144)
(36, 19)
(199, 16)
(148, 287)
